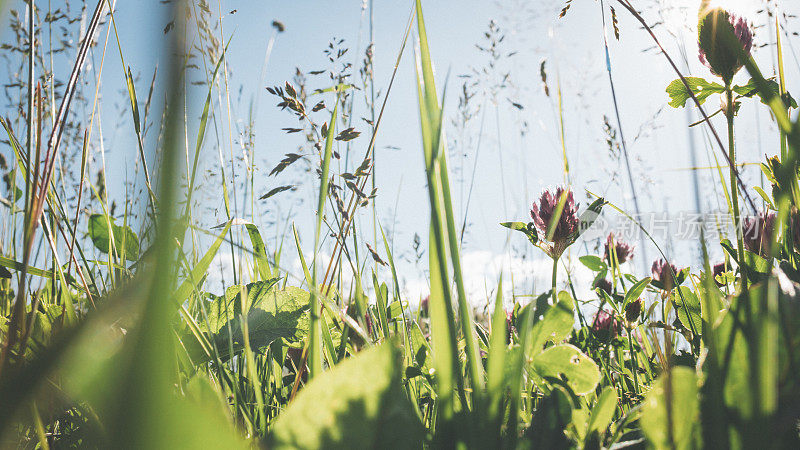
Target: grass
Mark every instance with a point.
(139, 349)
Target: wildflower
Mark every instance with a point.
(758, 233)
(567, 222)
(603, 284)
(423, 306)
(623, 251)
(715, 52)
(605, 326)
(633, 310)
(663, 273)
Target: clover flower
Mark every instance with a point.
(633, 310)
(605, 326)
(564, 226)
(603, 284)
(423, 306)
(758, 233)
(663, 272)
(714, 50)
(623, 251)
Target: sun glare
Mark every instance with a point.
(742, 7)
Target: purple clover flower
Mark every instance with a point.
(546, 212)
(662, 272)
(712, 51)
(623, 250)
(605, 326)
(603, 284)
(758, 233)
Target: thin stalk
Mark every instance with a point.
(781, 79)
(555, 278)
(634, 362)
(734, 192)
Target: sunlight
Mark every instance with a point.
(741, 7)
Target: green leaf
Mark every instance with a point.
(259, 252)
(125, 241)
(587, 218)
(199, 270)
(526, 228)
(681, 412)
(553, 415)
(567, 361)
(360, 403)
(555, 325)
(751, 89)
(764, 196)
(687, 306)
(594, 263)
(636, 290)
(701, 88)
(603, 410)
(274, 314)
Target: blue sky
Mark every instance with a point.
(657, 135)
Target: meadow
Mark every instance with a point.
(161, 304)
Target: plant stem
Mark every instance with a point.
(555, 277)
(634, 362)
(729, 113)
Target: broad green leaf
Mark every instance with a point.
(125, 241)
(274, 314)
(687, 306)
(636, 290)
(553, 415)
(593, 263)
(555, 324)
(702, 89)
(568, 362)
(751, 89)
(360, 403)
(603, 410)
(680, 413)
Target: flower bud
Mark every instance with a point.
(623, 251)
(605, 326)
(633, 310)
(603, 284)
(717, 50)
(663, 273)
